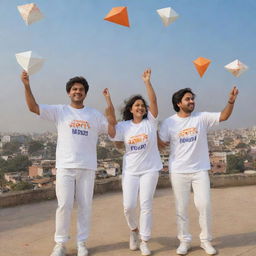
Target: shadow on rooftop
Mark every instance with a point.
(236, 240)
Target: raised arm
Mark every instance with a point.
(110, 114)
(31, 102)
(151, 93)
(227, 111)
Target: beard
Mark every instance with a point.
(189, 108)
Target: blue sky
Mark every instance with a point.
(75, 40)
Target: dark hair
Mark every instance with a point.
(177, 97)
(79, 80)
(126, 111)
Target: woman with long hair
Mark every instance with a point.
(141, 162)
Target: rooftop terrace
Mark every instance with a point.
(27, 230)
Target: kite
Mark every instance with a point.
(118, 15)
(29, 61)
(236, 68)
(30, 13)
(168, 15)
(201, 65)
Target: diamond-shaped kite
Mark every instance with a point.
(29, 61)
(168, 15)
(201, 65)
(236, 68)
(118, 15)
(30, 13)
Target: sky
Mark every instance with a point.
(74, 39)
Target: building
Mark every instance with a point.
(218, 162)
(43, 168)
(13, 177)
(14, 138)
(43, 183)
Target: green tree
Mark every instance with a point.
(18, 163)
(252, 142)
(116, 153)
(10, 148)
(34, 147)
(102, 152)
(227, 141)
(23, 185)
(242, 145)
(235, 164)
(2, 163)
(50, 150)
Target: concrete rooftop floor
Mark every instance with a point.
(28, 230)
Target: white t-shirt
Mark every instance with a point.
(140, 141)
(78, 131)
(188, 141)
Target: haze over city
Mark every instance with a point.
(75, 40)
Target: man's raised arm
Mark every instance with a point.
(227, 111)
(31, 102)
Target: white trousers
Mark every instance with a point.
(143, 185)
(181, 184)
(70, 184)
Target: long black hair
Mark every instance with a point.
(126, 111)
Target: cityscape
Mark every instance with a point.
(28, 160)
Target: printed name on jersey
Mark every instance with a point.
(141, 138)
(80, 124)
(138, 147)
(80, 127)
(138, 138)
(188, 135)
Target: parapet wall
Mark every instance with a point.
(114, 184)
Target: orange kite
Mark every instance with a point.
(201, 65)
(118, 15)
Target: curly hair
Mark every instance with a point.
(126, 111)
(177, 97)
(79, 80)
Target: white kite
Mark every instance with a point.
(30, 13)
(168, 15)
(236, 68)
(29, 61)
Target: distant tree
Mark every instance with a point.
(249, 157)
(2, 163)
(10, 148)
(2, 180)
(227, 141)
(50, 150)
(235, 164)
(252, 142)
(103, 152)
(23, 185)
(34, 147)
(116, 153)
(18, 163)
(242, 145)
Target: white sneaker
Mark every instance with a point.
(134, 240)
(209, 249)
(59, 250)
(81, 249)
(183, 248)
(144, 248)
